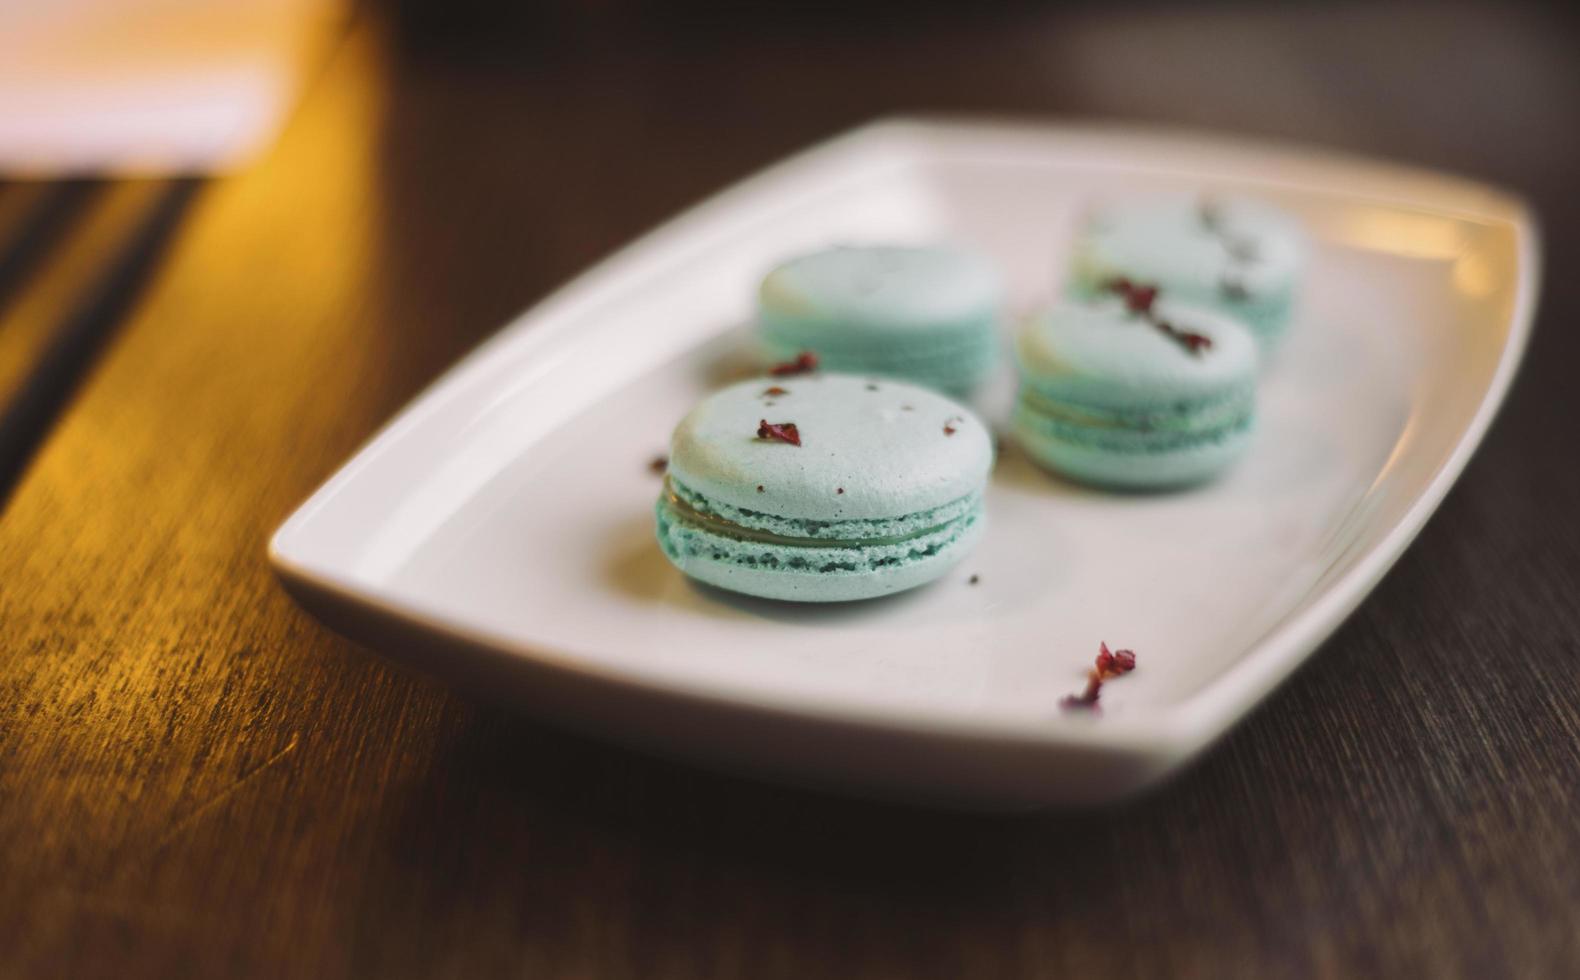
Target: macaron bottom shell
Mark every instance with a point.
(814, 571)
(1131, 460)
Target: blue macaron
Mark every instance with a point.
(1133, 391)
(1239, 256)
(926, 313)
(823, 488)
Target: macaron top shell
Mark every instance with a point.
(884, 287)
(870, 448)
(1201, 241)
(1102, 354)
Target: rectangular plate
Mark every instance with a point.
(499, 531)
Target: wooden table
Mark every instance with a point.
(196, 779)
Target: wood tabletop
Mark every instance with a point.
(196, 779)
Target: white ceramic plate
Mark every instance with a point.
(499, 531)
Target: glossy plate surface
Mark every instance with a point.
(499, 531)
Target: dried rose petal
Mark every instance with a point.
(1108, 665)
(1087, 699)
(658, 464)
(1112, 663)
(776, 391)
(1105, 660)
(951, 423)
(781, 431)
(1138, 298)
(804, 362)
(1192, 341)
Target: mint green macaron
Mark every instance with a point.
(823, 488)
(1133, 391)
(923, 313)
(1239, 256)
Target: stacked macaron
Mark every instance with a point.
(823, 488)
(924, 313)
(1135, 392)
(1238, 256)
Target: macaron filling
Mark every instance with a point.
(764, 526)
(690, 524)
(1155, 428)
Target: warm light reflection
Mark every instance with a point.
(1475, 276)
(1418, 236)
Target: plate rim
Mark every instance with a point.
(1178, 731)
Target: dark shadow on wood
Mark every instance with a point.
(39, 229)
(82, 333)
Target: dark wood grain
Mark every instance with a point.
(196, 779)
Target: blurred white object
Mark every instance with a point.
(149, 86)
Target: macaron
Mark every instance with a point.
(1242, 257)
(923, 313)
(823, 488)
(1134, 391)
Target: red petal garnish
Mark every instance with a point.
(782, 431)
(1112, 663)
(840, 490)
(658, 464)
(1108, 665)
(1139, 298)
(1189, 339)
(804, 362)
(951, 422)
(776, 391)
(1105, 660)
(1087, 699)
